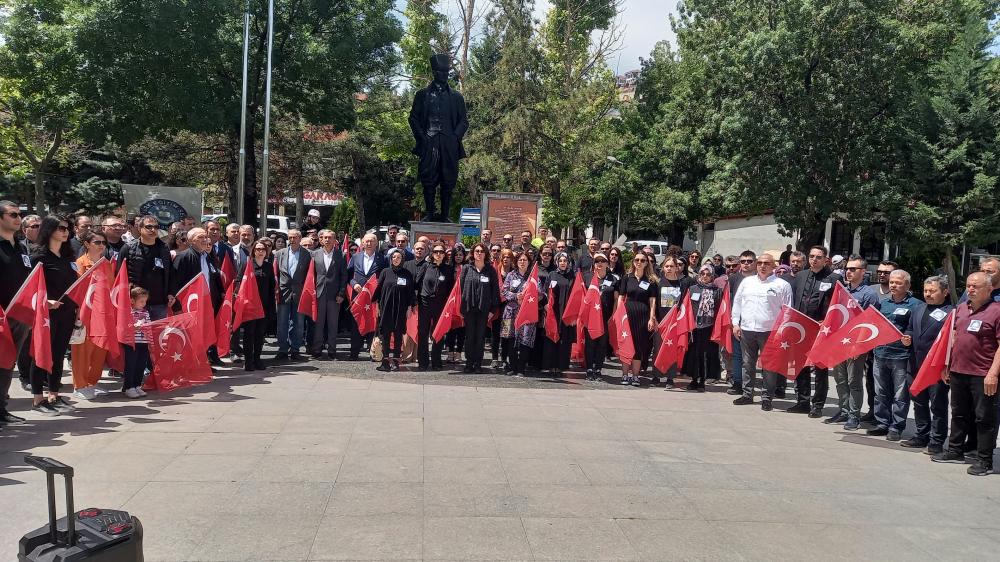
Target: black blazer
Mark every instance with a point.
(355, 268)
(187, 265)
(290, 285)
(333, 282)
(418, 118)
(923, 329)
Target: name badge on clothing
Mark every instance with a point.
(26, 260)
(975, 325)
(484, 279)
(552, 284)
(825, 287)
(74, 266)
(644, 285)
(695, 296)
(515, 283)
(211, 268)
(900, 312)
(158, 263)
(607, 283)
(401, 281)
(938, 315)
(440, 277)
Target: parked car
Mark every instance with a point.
(659, 246)
(276, 224)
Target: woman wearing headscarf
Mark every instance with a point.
(517, 342)
(557, 354)
(455, 340)
(480, 295)
(504, 265)
(638, 292)
(673, 287)
(53, 251)
(395, 294)
(702, 359)
(595, 350)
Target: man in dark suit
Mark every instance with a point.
(199, 260)
(292, 263)
(363, 265)
(219, 245)
(930, 407)
(438, 121)
(331, 284)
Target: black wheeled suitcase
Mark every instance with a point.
(92, 534)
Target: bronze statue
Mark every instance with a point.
(439, 122)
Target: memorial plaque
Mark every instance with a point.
(511, 213)
(449, 233)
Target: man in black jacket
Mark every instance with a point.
(16, 266)
(292, 264)
(331, 286)
(148, 261)
(811, 292)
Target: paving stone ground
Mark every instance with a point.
(327, 461)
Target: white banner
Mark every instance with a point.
(168, 204)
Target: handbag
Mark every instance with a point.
(376, 350)
(79, 334)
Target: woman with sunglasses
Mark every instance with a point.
(595, 350)
(693, 263)
(455, 340)
(254, 330)
(546, 265)
(395, 294)
(517, 342)
(87, 358)
(503, 266)
(177, 243)
(480, 295)
(702, 359)
(54, 252)
(557, 354)
(637, 294)
(673, 287)
(615, 264)
(434, 281)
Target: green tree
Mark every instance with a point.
(95, 196)
(426, 35)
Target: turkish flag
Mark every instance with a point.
(623, 335)
(8, 353)
(551, 324)
(571, 312)
(674, 331)
(227, 269)
(863, 333)
(451, 315)
(22, 306)
(77, 292)
(843, 308)
(97, 312)
(308, 304)
(722, 330)
(196, 299)
(224, 322)
(500, 278)
(937, 358)
(412, 319)
(345, 248)
(121, 298)
(527, 313)
(364, 310)
(576, 351)
(248, 304)
(789, 343)
(173, 350)
(592, 313)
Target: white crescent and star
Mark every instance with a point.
(797, 326)
(844, 314)
(167, 332)
(192, 297)
(872, 329)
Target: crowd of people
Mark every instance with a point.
(492, 284)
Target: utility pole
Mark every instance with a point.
(267, 120)
(241, 177)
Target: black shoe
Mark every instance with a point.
(45, 409)
(248, 366)
(816, 412)
(766, 405)
(437, 366)
(892, 436)
(260, 365)
(933, 449)
(393, 367)
(733, 391)
(852, 424)
(384, 367)
(949, 456)
(839, 417)
(743, 401)
(428, 218)
(316, 356)
(669, 385)
(799, 408)
(26, 386)
(10, 419)
(353, 358)
(468, 369)
(692, 387)
(868, 418)
(913, 443)
(297, 356)
(281, 356)
(877, 432)
(980, 468)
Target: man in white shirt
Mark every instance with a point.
(756, 307)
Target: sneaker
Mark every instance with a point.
(669, 385)
(878, 432)
(624, 381)
(140, 391)
(766, 405)
(98, 391)
(798, 408)
(296, 356)
(839, 417)
(85, 394)
(852, 424)
(949, 456)
(45, 409)
(933, 449)
(635, 381)
(816, 412)
(980, 468)
(913, 443)
(60, 403)
(10, 419)
(743, 401)
(131, 393)
(393, 366)
(384, 367)
(892, 436)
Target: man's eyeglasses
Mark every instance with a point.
(98, 242)
(149, 227)
(33, 226)
(854, 268)
(62, 228)
(114, 226)
(732, 265)
(746, 261)
(766, 263)
(14, 215)
(881, 272)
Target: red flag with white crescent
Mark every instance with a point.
(196, 299)
(173, 350)
(364, 310)
(451, 315)
(227, 269)
(863, 333)
(937, 358)
(121, 298)
(551, 324)
(308, 303)
(248, 304)
(789, 343)
(623, 335)
(571, 312)
(722, 329)
(77, 292)
(30, 306)
(843, 308)
(592, 312)
(224, 322)
(8, 352)
(527, 313)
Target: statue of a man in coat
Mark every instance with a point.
(439, 122)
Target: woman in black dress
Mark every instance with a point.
(594, 350)
(702, 359)
(501, 359)
(254, 330)
(556, 355)
(395, 295)
(455, 340)
(480, 295)
(637, 294)
(546, 265)
(53, 250)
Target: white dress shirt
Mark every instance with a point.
(367, 261)
(757, 303)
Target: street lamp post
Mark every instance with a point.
(267, 119)
(241, 174)
(618, 218)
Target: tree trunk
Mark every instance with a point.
(250, 199)
(300, 204)
(358, 194)
(39, 188)
(949, 270)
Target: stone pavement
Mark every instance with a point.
(320, 462)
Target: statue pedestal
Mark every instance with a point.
(446, 231)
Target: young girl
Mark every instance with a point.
(137, 358)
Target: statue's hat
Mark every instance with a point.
(440, 62)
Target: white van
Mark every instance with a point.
(659, 246)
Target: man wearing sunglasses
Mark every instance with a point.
(16, 266)
(849, 375)
(745, 265)
(29, 228)
(881, 288)
(149, 266)
(113, 228)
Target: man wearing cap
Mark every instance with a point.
(312, 221)
(438, 121)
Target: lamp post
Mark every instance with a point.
(618, 219)
(267, 119)
(241, 174)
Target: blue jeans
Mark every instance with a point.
(290, 323)
(736, 374)
(892, 395)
